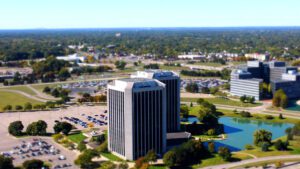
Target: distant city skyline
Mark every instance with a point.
(33, 14)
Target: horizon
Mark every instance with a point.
(55, 14)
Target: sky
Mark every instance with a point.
(32, 14)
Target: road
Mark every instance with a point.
(245, 162)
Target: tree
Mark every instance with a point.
(7, 108)
(47, 89)
(108, 165)
(33, 164)
(6, 162)
(81, 147)
(211, 132)
(262, 136)
(279, 145)
(224, 153)
(205, 90)
(63, 74)
(63, 127)
(280, 116)
(55, 93)
(252, 100)
(28, 106)
(123, 165)
(184, 111)
(84, 160)
(99, 139)
(243, 98)
(18, 107)
(139, 162)
(169, 158)
(120, 64)
(211, 147)
(103, 148)
(192, 88)
(15, 128)
(191, 104)
(280, 99)
(151, 156)
(37, 128)
(265, 146)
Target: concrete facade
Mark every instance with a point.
(137, 117)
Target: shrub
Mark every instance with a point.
(265, 146)
(103, 148)
(211, 132)
(225, 153)
(57, 137)
(211, 147)
(169, 158)
(269, 117)
(18, 107)
(33, 164)
(249, 147)
(279, 164)
(81, 147)
(7, 108)
(245, 114)
(280, 116)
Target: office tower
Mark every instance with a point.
(137, 117)
(172, 82)
(248, 80)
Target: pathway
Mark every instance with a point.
(250, 161)
(40, 94)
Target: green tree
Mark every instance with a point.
(7, 108)
(151, 156)
(15, 128)
(6, 163)
(28, 106)
(108, 165)
(63, 74)
(63, 127)
(84, 160)
(211, 147)
(184, 111)
(280, 99)
(33, 164)
(47, 89)
(103, 148)
(123, 165)
(18, 107)
(37, 128)
(120, 64)
(225, 153)
(243, 98)
(81, 147)
(169, 158)
(192, 88)
(262, 136)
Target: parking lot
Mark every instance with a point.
(39, 148)
(10, 144)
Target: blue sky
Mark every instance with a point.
(24, 14)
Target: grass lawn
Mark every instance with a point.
(223, 101)
(23, 88)
(294, 148)
(212, 64)
(216, 160)
(157, 167)
(40, 87)
(9, 98)
(77, 138)
(230, 113)
(111, 157)
(173, 67)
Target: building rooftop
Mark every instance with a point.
(138, 82)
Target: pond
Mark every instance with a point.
(293, 106)
(240, 131)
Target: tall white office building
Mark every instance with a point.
(172, 82)
(137, 117)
